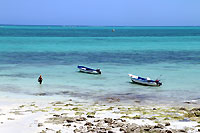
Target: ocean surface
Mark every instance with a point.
(171, 54)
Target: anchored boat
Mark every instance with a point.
(144, 81)
(89, 70)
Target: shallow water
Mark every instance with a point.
(171, 54)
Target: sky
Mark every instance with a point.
(101, 12)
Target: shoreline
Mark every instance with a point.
(36, 115)
(101, 99)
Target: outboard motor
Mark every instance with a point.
(98, 70)
(158, 82)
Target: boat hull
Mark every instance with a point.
(144, 81)
(88, 70)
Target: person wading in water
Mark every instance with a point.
(40, 79)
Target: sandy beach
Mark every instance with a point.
(42, 115)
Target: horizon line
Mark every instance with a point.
(98, 25)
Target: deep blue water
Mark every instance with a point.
(59, 31)
(119, 58)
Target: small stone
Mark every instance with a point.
(91, 130)
(197, 113)
(89, 127)
(110, 132)
(64, 114)
(81, 119)
(120, 124)
(96, 120)
(102, 128)
(152, 118)
(167, 124)
(168, 131)
(159, 126)
(43, 131)
(108, 120)
(154, 109)
(181, 130)
(68, 104)
(123, 120)
(70, 120)
(90, 116)
(76, 131)
(67, 125)
(59, 102)
(122, 129)
(49, 129)
(108, 128)
(146, 129)
(56, 115)
(114, 126)
(182, 108)
(40, 124)
(22, 106)
(198, 130)
(137, 117)
(88, 124)
(59, 131)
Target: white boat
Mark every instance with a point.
(89, 70)
(144, 81)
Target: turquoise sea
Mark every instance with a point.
(171, 54)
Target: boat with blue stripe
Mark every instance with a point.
(144, 81)
(89, 70)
